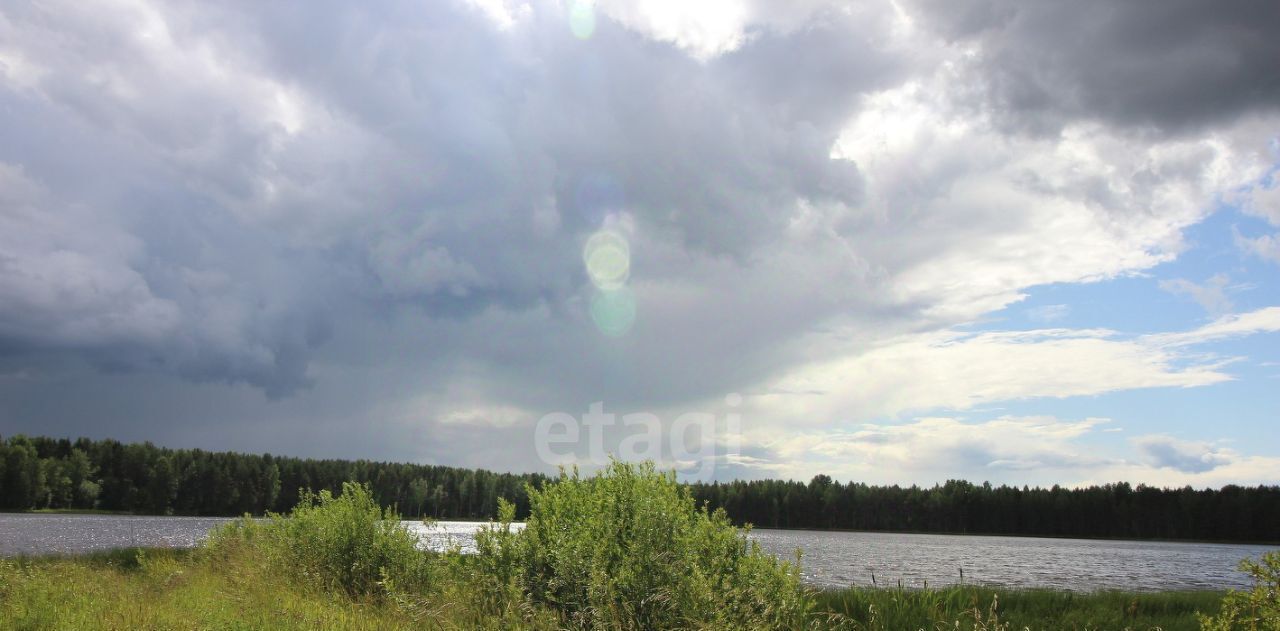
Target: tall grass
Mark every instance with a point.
(982, 608)
(167, 589)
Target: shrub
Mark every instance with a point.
(628, 549)
(346, 542)
(1258, 608)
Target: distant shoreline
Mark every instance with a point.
(1027, 536)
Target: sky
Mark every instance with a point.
(1016, 241)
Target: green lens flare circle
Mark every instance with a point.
(582, 18)
(614, 312)
(608, 260)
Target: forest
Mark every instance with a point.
(84, 474)
(39, 472)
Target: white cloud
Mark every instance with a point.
(942, 442)
(1263, 200)
(503, 416)
(1048, 313)
(705, 29)
(969, 216)
(18, 70)
(1211, 295)
(1266, 246)
(954, 371)
(1265, 320)
(1239, 469)
(504, 14)
(959, 371)
(1010, 450)
(711, 28)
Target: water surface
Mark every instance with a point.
(54, 533)
(839, 559)
(831, 559)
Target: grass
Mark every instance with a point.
(171, 589)
(973, 607)
(189, 589)
(624, 550)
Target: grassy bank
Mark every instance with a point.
(1019, 609)
(181, 589)
(625, 550)
(167, 589)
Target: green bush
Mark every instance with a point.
(628, 549)
(344, 542)
(1258, 608)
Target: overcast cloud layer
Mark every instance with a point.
(357, 229)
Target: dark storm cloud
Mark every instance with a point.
(374, 213)
(213, 190)
(500, 121)
(102, 256)
(1176, 65)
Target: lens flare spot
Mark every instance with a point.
(614, 311)
(582, 18)
(608, 259)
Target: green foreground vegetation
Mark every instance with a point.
(626, 549)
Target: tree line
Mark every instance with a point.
(39, 472)
(1232, 513)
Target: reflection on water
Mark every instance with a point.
(43, 534)
(442, 535)
(831, 559)
(844, 558)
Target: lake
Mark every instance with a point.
(831, 559)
